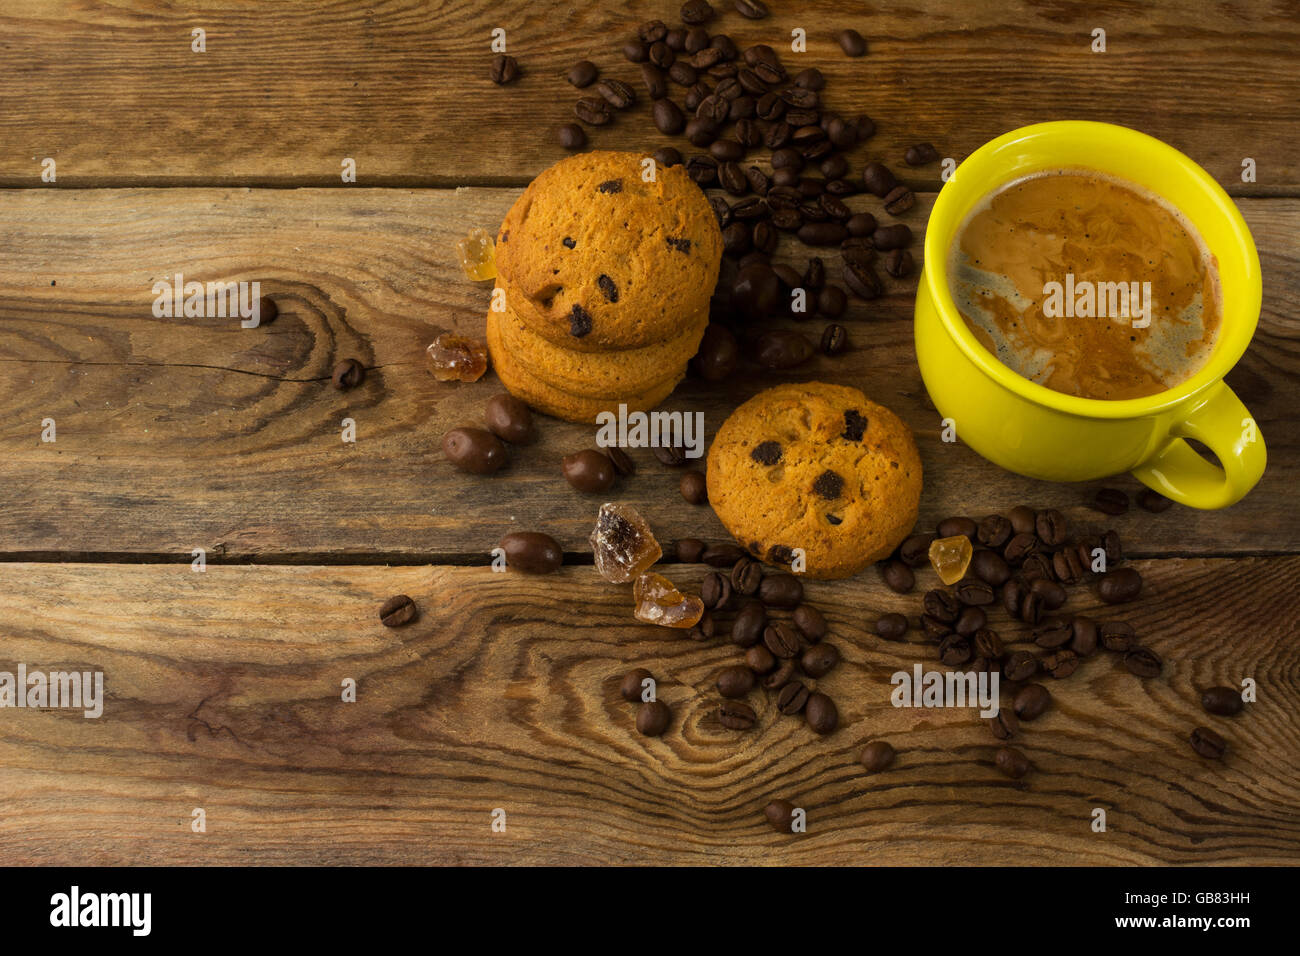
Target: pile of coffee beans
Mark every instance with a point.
(773, 161)
(483, 451)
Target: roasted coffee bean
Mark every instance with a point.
(892, 626)
(792, 698)
(672, 455)
(746, 576)
(1050, 527)
(1023, 520)
(861, 224)
(1117, 636)
(834, 167)
(726, 45)
(751, 9)
(655, 83)
(1222, 701)
(764, 237)
(814, 276)
(475, 450)
(1037, 566)
(505, 69)
(780, 589)
(694, 487)
(970, 621)
(509, 419)
(705, 628)
(821, 713)
(622, 461)
(1060, 663)
(941, 605)
(769, 107)
(616, 93)
(571, 136)
(661, 55)
(821, 233)
(831, 302)
(993, 531)
(898, 577)
(750, 209)
(687, 41)
(810, 622)
(1032, 701)
(1051, 594)
(397, 611)
(652, 31)
(986, 643)
(1004, 724)
(972, 591)
(1013, 593)
(718, 353)
(736, 240)
(781, 349)
(731, 177)
(348, 374)
(730, 151)
(1111, 544)
(782, 640)
(819, 660)
(1020, 547)
(690, 550)
(777, 135)
(683, 74)
(1153, 501)
(1111, 501)
(708, 58)
(858, 250)
(954, 650)
(1066, 567)
(990, 567)
(935, 629)
(892, 237)
(1120, 585)
(1143, 662)
(780, 815)
(735, 681)
(653, 718)
(899, 263)
(756, 88)
(636, 51)
(876, 756)
(583, 73)
(632, 686)
(701, 133)
(754, 292)
(748, 625)
(813, 212)
(851, 42)
(836, 210)
(1020, 666)
(862, 280)
(915, 550)
(1208, 744)
(715, 591)
(920, 155)
(878, 180)
(593, 111)
(532, 552)
(1084, 635)
(899, 200)
(758, 180)
(1053, 633)
(960, 525)
(589, 471)
(784, 674)
(1011, 762)
(760, 660)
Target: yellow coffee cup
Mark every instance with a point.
(1034, 431)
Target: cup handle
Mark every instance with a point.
(1224, 425)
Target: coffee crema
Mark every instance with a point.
(1087, 284)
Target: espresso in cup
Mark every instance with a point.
(1087, 284)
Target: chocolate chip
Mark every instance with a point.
(681, 245)
(579, 322)
(608, 287)
(611, 186)
(829, 485)
(569, 243)
(766, 453)
(855, 425)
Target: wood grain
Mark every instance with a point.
(223, 693)
(111, 90)
(183, 433)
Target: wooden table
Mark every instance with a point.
(223, 687)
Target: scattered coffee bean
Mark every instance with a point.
(877, 756)
(694, 487)
(1067, 567)
(990, 567)
(571, 136)
(941, 605)
(1011, 762)
(1050, 527)
(1143, 662)
(892, 626)
(1020, 547)
(969, 621)
(821, 713)
(1120, 585)
(1050, 594)
(1032, 701)
(397, 611)
(1020, 666)
(1117, 636)
(1222, 701)
(954, 650)
(751, 9)
(1023, 520)
(972, 591)
(690, 550)
(715, 591)
(851, 42)
(737, 715)
(349, 373)
(986, 643)
(819, 660)
(735, 681)
(723, 555)
(782, 349)
(746, 576)
(668, 119)
(792, 698)
(878, 180)
(994, 531)
(835, 339)
(810, 622)
(915, 550)
(509, 419)
(631, 688)
(899, 263)
(505, 69)
(475, 450)
(1059, 663)
(892, 237)
(673, 456)
(782, 640)
(532, 552)
(899, 200)
(718, 353)
(593, 111)
(861, 225)
(1208, 744)
(749, 624)
(898, 577)
(1004, 724)
(783, 675)
(1056, 632)
(1084, 636)
(1111, 501)
(1153, 501)
(779, 813)
(588, 471)
(583, 73)
(653, 718)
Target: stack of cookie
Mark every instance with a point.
(606, 279)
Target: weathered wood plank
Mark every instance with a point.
(113, 92)
(181, 433)
(223, 693)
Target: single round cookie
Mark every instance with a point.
(544, 397)
(603, 259)
(818, 467)
(599, 374)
